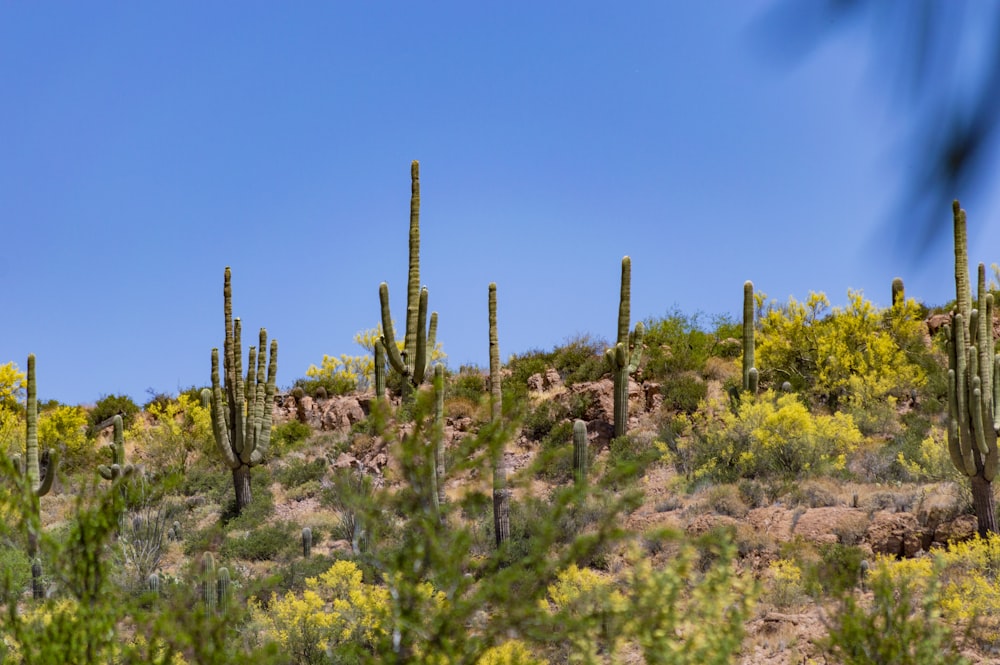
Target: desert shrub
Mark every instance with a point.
(16, 572)
(469, 383)
(677, 343)
(180, 428)
(784, 585)
(683, 392)
(901, 625)
(300, 471)
(770, 435)
(111, 405)
(853, 355)
(65, 427)
(580, 359)
(288, 436)
(540, 421)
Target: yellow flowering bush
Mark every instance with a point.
(771, 434)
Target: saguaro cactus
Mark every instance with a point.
(898, 293)
(31, 468)
(419, 337)
(501, 493)
(749, 371)
(580, 459)
(624, 358)
(442, 498)
(241, 418)
(973, 390)
(307, 542)
(117, 449)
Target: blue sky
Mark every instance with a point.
(146, 146)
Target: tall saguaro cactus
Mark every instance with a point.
(241, 416)
(501, 493)
(973, 383)
(624, 358)
(749, 370)
(419, 336)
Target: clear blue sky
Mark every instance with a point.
(146, 146)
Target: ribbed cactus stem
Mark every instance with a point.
(117, 450)
(748, 335)
(153, 584)
(439, 474)
(37, 584)
(419, 337)
(307, 542)
(241, 416)
(972, 363)
(208, 588)
(898, 293)
(223, 590)
(379, 369)
(580, 453)
(501, 494)
(626, 355)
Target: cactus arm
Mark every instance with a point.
(379, 369)
(219, 419)
(388, 333)
(420, 346)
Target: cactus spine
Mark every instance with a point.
(580, 460)
(501, 493)
(972, 393)
(624, 358)
(241, 419)
(750, 379)
(418, 338)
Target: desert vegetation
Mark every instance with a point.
(804, 483)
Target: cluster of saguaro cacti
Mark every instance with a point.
(501, 493)
(216, 588)
(973, 388)
(241, 417)
(419, 339)
(624, 358)
(750, 376)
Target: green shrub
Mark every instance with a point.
(109, 406)
(300, 471)
(288, 436)
(264, 543)
(683, 392)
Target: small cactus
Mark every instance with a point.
(153, 584)
(224, 590)
(208, 587)
(307, 542)
(580, 453)
(750, 379)
(37, 585)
